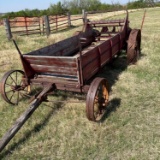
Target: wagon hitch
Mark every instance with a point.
(25, 116)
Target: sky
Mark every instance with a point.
(17, 5)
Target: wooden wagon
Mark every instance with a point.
(70, 65)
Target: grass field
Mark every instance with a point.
(131, 127)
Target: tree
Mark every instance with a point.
(57, 8)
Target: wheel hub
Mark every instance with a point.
(17, 88)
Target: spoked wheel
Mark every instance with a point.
(133, 48)
(97, 99)
(12, 87)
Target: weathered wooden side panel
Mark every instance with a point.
(94, 59)
(115, 44)
(90, 63)
(105, 52)
(122, 38)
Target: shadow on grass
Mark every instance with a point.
(37, 128)
(112, 70)
(112, 107)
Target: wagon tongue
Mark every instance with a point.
(25, 116)
(17, 47)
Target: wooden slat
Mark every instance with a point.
(105, 46)
(88, 69)
(59, 80)
(55, 61)
(50, 69)
(115, 43)
(55, 68)
(89, 56)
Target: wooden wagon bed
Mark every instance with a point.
(70, 63)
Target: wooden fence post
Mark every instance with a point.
(25, 20)
(56, 22)
(47, 25)
(7, 28)
(84, 16)
(69, 19)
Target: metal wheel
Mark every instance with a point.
(97, 99)
(12, 87)
(133, 48)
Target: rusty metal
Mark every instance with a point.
(133, 48)
(143, 19)
(97, 99)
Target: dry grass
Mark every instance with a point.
(130, 129)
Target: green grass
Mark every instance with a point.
(131, 127)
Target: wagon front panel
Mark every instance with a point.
(63, 71)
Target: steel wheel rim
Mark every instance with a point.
(97, 99)
(133, 49)
(101, 100)
(12, 87)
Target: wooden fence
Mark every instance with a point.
(39, 25)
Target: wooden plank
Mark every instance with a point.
(89, 57)
(104, 47)
(52, 62)
(122, 38)
(55, 68)
(56, 61)
(89, 69)
(50, 69)
(115, 43)
(105, 57)
(56, 79)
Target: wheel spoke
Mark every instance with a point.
(10, 91)
(17, 97)
(16, 78)
(12, 79)
(11, 97)
(9, 85)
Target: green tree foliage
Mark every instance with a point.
(57, 9)
(141, 4)
(76, 6)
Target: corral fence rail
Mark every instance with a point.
(39, 25)
(25, 25)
